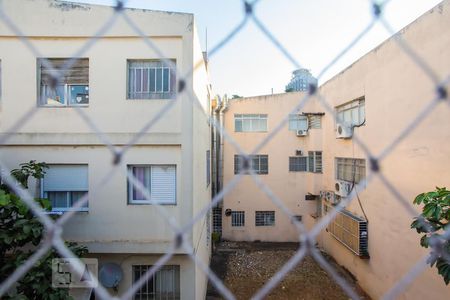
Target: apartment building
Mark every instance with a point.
(314, 159)
(119, 84)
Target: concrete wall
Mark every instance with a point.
(290, 187)
(60, 135)
(395, 91)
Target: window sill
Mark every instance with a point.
(63, 211)
(152, 203)
(62, 106)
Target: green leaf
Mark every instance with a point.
(419, 198)
(424, 241)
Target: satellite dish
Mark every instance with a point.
(110, 275)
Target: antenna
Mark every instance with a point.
(206, 39)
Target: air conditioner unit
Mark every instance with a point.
(298, 152)
(344, 131)
(331, 197)
(302, 132)
(343, 188)
(351, 231)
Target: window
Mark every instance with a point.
(158, 180)
(298, 122)
(352, 113)
(151, 79)
(258, 163)
(298, 218)
(265, 218)
(311, 163)
(315, 121)
(64, 185)
(297, 164)
(238, 218)
(208, 167)
(250, 123)
(164, 284)
(70, 87)
(315, 161)
(350, 169)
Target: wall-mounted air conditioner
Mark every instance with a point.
(331, 197)
(352, 232)
(344, 131)
(343, 188)
(302, 132)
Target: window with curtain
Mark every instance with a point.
(151, 79)
(250, 123)
(64, 185)
(352, 113)
(158, 184)
(63, 81)
(298, 122)
(164, 284)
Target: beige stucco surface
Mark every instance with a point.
(59, 135)
(396, 90)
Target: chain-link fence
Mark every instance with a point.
(53, 236)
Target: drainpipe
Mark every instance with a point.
(223, 108)
(216, 109)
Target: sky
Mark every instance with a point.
(313, 32)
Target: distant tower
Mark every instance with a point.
(300, 81)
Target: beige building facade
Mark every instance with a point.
(120, 84)
(376, 98)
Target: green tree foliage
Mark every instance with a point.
(434, 222)
(20, 234)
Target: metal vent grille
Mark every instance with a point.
(351, 231)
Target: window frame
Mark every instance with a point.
(238, 163)
(314, 167)
(143, 268)
(264, 214)
(157, 95)
(297, 118)
(44, 193)
(358, 103)
(238, 218)
(66, 86)
(130, 186)
(359, 171)
(251, 118)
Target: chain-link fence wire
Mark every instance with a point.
(53, 236)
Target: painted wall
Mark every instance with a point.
(289, 187)
(60, 135)
(396, 90)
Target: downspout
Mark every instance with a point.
(223, 108)
(215, 178)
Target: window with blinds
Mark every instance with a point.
(63, 81)
(350, 169)
(151, 79)
(64, 185)
(315, 122)
(155, 184)
(164, 284)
